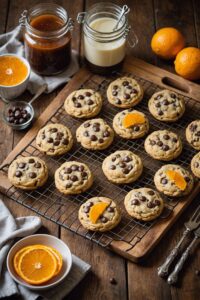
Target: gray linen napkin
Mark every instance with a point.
(11, 228)
(10, 42)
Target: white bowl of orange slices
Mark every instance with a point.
(39, 261)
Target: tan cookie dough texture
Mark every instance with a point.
(167, 186)
(144, 204)
(195, 165)
(28, 173)
(134, 132)
(166, 106)
(54, 139)
(193, 134)
(163, 145)
(73, 178)
(107, 221)
(122, 166)
(83, 103)
(124, 92)
(95, 134)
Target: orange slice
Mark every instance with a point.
(97, 210)
(177, 178)
(133, 119)
(37, 265)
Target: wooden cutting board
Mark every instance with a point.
(131, 239)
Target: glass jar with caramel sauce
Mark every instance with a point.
(47, 38)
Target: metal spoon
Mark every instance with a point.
(125, 10)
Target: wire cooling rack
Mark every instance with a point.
(63, 210)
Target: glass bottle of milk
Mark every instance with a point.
(105, 46)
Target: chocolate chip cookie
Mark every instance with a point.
(173, 180)
(95, 134)
(73, 178)
(83, 103)
(166, 106)
(28, 173)
(54, 139)
(131, 124)
(124, 92)
(195, 165)
(163, 145)
(193, 134)
(144, 204)
(99, 214)
(122, 166)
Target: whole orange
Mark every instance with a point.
(187, 63)
(167, 42)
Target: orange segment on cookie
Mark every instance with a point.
(97, 210)
(133, 119)
(177, 178)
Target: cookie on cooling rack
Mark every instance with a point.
(166, 106)
(99, 214)
(73, 178)
(193, 134)
(122, 166)
(124, 92)
(54, 139)
(195, 165)
(131, 124)
(173, 180)
(83, 103)
(163, 145)
(95, 134)
(28, 173)
(144, 204)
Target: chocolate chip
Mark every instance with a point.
(74, 168)
(37, 165)
(81, 97)
(110, 209)
(173, 96)
(129, 87)
(68, 185)
(158, 97)
(160, 112)
(86, 209)
(86, 125)
(18, 173)
(127, 158)
(157, 202)
(160, 143)
(164, 180)
(50, 140)
(112, 167)
(73, 178)
(135, 202)
(115, 87)
(134, 91)
(165, 102)
(77, 104)
(73, 98)
(43, 136)
(130, 167)
(125, 170)
(81, 168)
(31, 161)
(127, 96)
(152, 142)
(104, 219)
(106, 133)
(125, 83)
(90, 102)
(101, 141)
(86, 133)
(158, 104)
(118, 101)
(151, 193)
(122, 165)
(22, 165)
(136, 128)
(88, 94)
(114, 158)
(65, 142)
(114, 93)
(56, 143)
(93, 138)
(150, 205)
(196, 164)
(54, 130)
(96, 128)
(32, 175)
(143, 198)
(193, 127)
(68, 170)
(165, 147)
(113, 281)
(198, 133)
(84, 174)
(174, 140)
(166, 137)
(89, 204)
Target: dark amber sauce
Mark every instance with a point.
(47, 23)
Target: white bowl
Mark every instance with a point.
(13, 91)
(43, 239)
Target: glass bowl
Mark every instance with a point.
(18, 104)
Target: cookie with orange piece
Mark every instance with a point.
(99, 214)
(37, 264)
(131, 124)
(173, 180)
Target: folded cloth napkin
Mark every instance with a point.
(10, 229)
(11, 42)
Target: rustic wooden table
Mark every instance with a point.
(133, 281)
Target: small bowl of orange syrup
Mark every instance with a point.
(14, 75)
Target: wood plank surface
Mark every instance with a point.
(135, 282)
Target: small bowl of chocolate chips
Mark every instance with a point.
(18, 114)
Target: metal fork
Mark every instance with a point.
(173, 277)
(191, 225)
